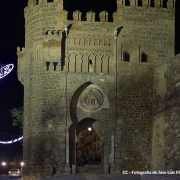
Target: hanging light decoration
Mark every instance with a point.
(5, 70)
(12, 141)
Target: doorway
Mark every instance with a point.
(89, 150)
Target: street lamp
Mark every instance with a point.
(22, 164)
(3, 164)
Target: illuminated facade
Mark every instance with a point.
(121, 78)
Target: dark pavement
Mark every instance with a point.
(93, 173)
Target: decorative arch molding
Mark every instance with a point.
(101, 62)
(76, 91)
(89, 80)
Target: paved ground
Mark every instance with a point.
(86, 173)
(94, 176)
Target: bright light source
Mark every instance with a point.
(3, 163)
(22, 164)
(12, 141)
(89, 128)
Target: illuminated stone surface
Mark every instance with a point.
(136, 100)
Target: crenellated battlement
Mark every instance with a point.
(145, 27)
(145, 3)
(122, 7)
(148, 3)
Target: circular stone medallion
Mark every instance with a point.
(91, 99)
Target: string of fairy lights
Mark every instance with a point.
(4, 71)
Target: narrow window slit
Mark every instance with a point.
(55, 65)
(47, 65)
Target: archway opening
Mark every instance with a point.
(88, 147)
(89, 150)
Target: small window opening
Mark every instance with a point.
(127, 3)
(90, 62)
(143, 57)
(47, 65)
(55, 65)
(139, 3)
(152, 3)
(126, 57)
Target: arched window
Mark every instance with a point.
(143, 57)
(126, 57)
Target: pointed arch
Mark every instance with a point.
(39, 54)
(91, 42)
(105, 64)
(71, 63)
(79, 62)
(31, 57)
(111, 64)
(98, 64)
(85, 63)
(81, 42)
(92, 58)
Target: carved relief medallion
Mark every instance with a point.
(91, 99)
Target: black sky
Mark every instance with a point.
(11, 36)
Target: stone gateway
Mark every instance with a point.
(121, 78)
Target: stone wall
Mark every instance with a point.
(75, 70)
(134, 110)
(165, 149)
(44, 121)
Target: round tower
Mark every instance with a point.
(40, 69)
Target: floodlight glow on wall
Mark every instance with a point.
(12, 141)
(5, 70)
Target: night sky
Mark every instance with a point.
(12, 35)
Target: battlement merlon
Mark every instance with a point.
(20, 52)
(146, 3)
(33, 3)
(21, 63)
